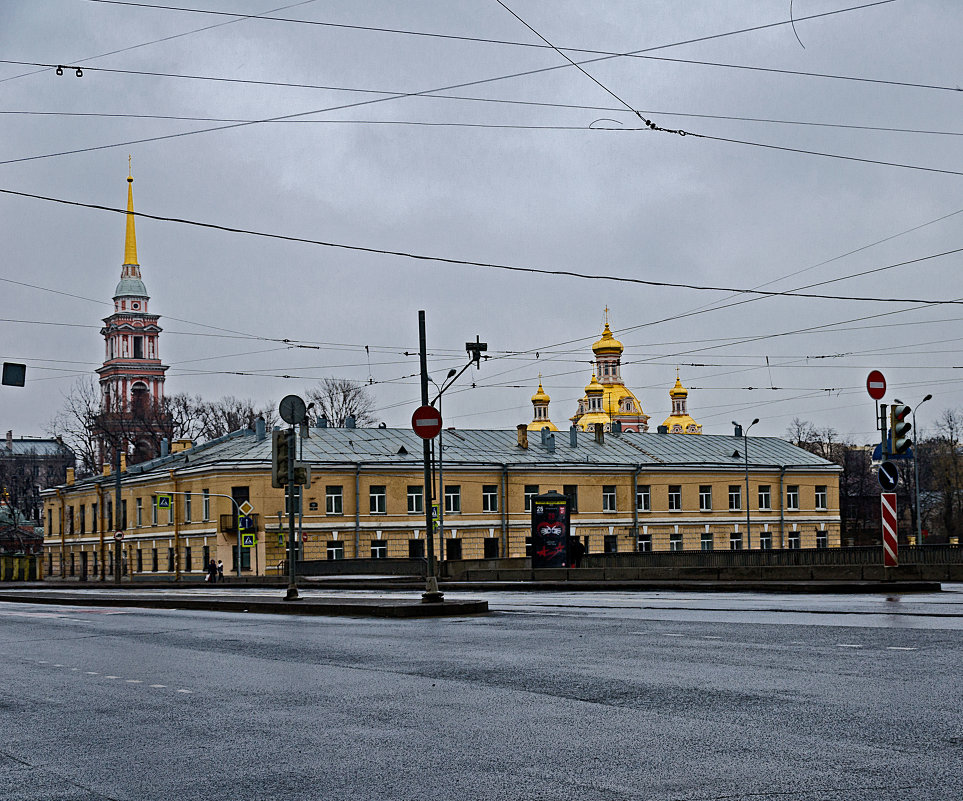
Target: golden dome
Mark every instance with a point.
(594, 386)
(678, 391)
(608, 343)
(541, 396)
(538, 425)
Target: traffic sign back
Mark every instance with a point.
(426, 422)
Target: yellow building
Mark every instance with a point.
(628, 491)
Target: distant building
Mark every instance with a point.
(679, 422)
(28, 465)
(132, 376)
(540, 418)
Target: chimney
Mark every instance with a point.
(617, 427)
(70, 476)
(349, 421)
(182, 445)
(600, 433)
(123, 463)
(106, 469)
(165, 447)
(322, 422)
(573, 436)
(544, 432)
(738, 432)
(260, 428)
(663, 429)
(522, 435)
(9, 440)
(549, 442)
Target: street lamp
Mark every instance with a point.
(745, 451)
(449, 380)
(916, 477)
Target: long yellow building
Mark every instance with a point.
(629, 491)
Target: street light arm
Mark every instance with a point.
(449, 381)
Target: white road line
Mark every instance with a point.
(42, 662)
(111, 677)
(708, 637)
(159, 686)
(133, 681)
(664, 634)
(847, 645)
(899, 648)
(189, 692)
(92, 673)
(75, 668)
(58, 665)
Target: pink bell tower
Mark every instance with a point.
(132, 376)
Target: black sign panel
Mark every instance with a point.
(550, 525)
(888, 476)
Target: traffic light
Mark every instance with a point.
(899, 427)
(279, 458)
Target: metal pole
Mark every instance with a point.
(916, 477)
(431, 593)
(292, 593)
(441, 490)
(118, 519)
(745, 448)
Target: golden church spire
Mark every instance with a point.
(130, 242)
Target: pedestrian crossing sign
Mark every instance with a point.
(164, 501)
(248, 541)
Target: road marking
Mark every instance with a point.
(708, 637)
(111, 677)
(847, 645)
(133, 681)
(899, 648)
(58, 665)
(42, 662)
(664, 634)
(189, 692)
(92, 673)
(159, 686)
(75, 668)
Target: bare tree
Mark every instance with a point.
(947, 474)
(73, 424)
(186, 414)
(220, 417)
(337, 399)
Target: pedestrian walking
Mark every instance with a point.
(576, 551)
(211, 571)
(220, 570)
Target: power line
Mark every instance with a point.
(490, 265)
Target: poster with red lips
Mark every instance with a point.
(550, 526)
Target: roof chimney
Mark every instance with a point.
(617, 427)
(349, 421)
(550, 442)
(600, 433)
(70, 476)
(260, 428)
(165, 447)
(522, 435)
(322, 422)
(573, 436)
(544, 432)
(9, 440)
(738, 432)
(663, 429)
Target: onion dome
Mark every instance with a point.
(678, 391)
(594, 386)
(608, 344)
(541, 396)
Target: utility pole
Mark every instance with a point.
(118, 517)
(431, 593)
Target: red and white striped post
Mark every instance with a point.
(888, 517)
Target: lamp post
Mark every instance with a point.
(916, 477)
(449, 379)
(745, 452)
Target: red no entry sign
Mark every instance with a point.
(426, 422)
(876, 385)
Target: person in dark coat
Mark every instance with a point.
(576, 551)
(212, 571)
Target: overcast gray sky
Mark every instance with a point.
(551, 170)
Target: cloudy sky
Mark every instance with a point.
(823, 158)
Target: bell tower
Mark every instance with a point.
(132, 376)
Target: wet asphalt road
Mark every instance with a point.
(554, 696)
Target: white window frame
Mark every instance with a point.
(379, 550)
(707, 541)
(609, 497)
(206, 504)
(765, 497)
(675, 542)
(188, 511)
(643, 498)
(822, 497)
(765, 540)
(645, 542)
(531, 490)
(452, 499)
(377, 499)
(675, 497)
(705, 497)
(140, 512)
(792, 497)
(735, 497)
(416, 499)
(489, 497)
(334, 499)
(735, 541)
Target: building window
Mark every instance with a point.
(93, 518)
(333, 500)
(335, 549)
(735, 541)
(822, 539)
(187, 507)
(489, 497)
(643, 498)
(531, 490)
(608, 498)
(416, 499)
(645, 542)
(83, 519)
(206, 504)
(170, 512)
(140, 560)
(675, 497)
(207, 557)
(379, 549)
(765, 540)
(705, 498)
(610, 543)
(453, 548)
(821, 499)
(139, 511)
(70, 519)
(570, 491)
(110, 513)
(153, 560)
(794, 540)
(170, 560)
(675, 542)
(528, 546)
(416, 549)
(377, 499)
(792, 496)
(765, 497)
(452, 498)
(735, 497)
(188, 564)
(491, 548)
(706, 542)
(153, 510)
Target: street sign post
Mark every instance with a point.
(426, 422)
(888, 517)
(888, 476)
(876, 385)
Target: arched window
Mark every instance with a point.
(138, 397)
